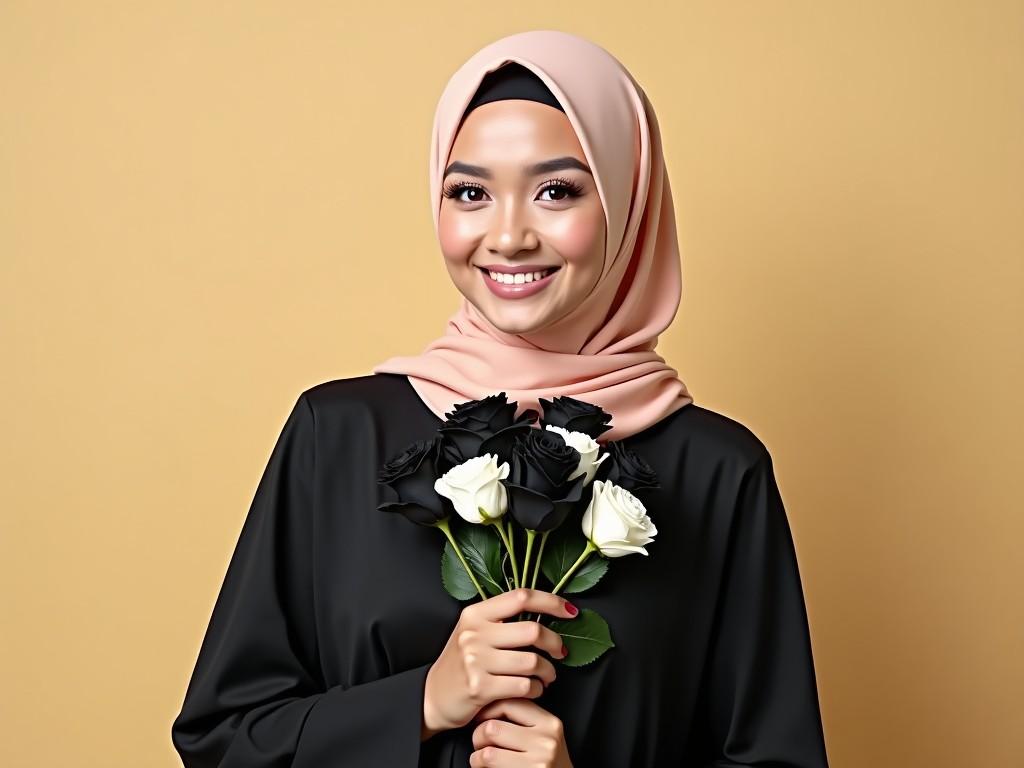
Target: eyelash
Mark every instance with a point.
(574, 189)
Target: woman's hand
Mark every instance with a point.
(534, 737)
(475, 668)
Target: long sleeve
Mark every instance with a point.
(761, 693)
(257, 696)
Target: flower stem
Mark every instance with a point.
(443, 525)
(526, 563)
(526, 560)
(579, 561)
(540, 552)
(511, 537)
(536, 567)
(500, 527)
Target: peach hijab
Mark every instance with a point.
(602, 352)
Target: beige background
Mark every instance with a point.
(206, 208)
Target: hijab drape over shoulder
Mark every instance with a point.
(602, 352)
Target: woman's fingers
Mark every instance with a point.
(505, 735)
(528, 735)
(519, 711)
(522, 599)
(521, 634)
(525, 663)
(513, 687)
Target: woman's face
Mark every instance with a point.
(519, 198)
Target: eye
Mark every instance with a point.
(565, 187)
(455, 189)
(561, 188)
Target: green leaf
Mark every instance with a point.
(454, 578)
(482, 547)
(562, 549)
(588, 574)
(586, 636)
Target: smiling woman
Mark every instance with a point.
(332, 643)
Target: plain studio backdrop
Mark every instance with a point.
(204, 208)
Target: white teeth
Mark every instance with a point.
(521, 277)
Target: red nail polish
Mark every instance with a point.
(565, 651)
(572, 609)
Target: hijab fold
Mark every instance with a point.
(603, 351)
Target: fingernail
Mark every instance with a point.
(565, 651)
(572, 609)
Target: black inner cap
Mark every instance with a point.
(511, 81)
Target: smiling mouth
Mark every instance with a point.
(520, 278)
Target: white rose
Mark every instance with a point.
(475, 488)
(616, 521)
(588, 448)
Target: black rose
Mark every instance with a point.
(540, 494)
(484, 426)
(626, 468)
(410, 476)
(575, 416)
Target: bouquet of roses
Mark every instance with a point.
(496, 486)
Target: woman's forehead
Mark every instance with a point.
(516, 131)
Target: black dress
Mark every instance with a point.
(331, 612)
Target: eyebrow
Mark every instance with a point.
(547, 166)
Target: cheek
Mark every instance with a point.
(579, 238)
(455, 236)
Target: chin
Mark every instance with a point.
(513, 323)
(515, 329)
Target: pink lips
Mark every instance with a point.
(517, 290)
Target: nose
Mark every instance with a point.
(511, 230)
